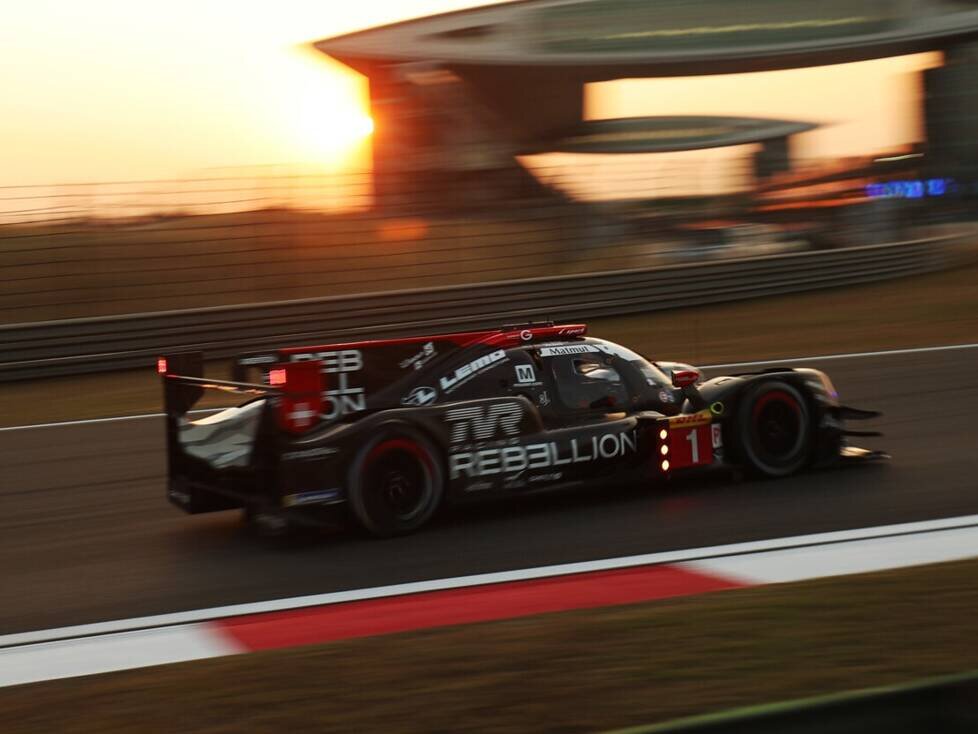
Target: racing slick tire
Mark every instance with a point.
(774, 429)
(396, 482)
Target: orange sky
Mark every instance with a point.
(122, 90)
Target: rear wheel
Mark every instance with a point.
(396, 482)
(774, 429)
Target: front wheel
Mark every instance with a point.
(396, 482)
(774, 429)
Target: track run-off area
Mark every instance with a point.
(89, 536)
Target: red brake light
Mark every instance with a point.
(277, 377)
(301, 402)
(161, 365)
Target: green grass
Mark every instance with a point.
(940, 308)
(568, 672)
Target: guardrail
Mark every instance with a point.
(98, 344)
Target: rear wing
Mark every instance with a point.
(295, 389)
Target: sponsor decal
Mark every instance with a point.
(572, 331)
(717, 434)
(484, 422)
(310, 453)
(507, 460)
(666, 396)
(464, 373)
(570, 349)
(338, 362)
(526, 335)
(341, 399)
(525, 374)
(420, 359)
(692, 420)
(420, 396)
(313, 497)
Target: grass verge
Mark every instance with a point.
(940, 308)
(568, 672)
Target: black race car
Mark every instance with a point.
(393, 428)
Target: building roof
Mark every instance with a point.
(666, 134)
(601, 39)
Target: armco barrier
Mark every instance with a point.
(79, 346)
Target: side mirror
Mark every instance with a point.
(685, 378)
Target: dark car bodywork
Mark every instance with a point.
(392, 428)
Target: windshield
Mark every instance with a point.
(652, 374)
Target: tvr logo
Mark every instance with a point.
(483, 422)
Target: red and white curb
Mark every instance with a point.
(134, 643)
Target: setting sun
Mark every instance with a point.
(110, 90)
(322, 110)
(327, 128)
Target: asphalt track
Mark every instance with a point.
(87, 535)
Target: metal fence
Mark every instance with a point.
(97, 344)
(115, 248)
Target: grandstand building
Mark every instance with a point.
(458, 97)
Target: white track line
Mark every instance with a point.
(791, 360)
(842, 559)
(120, 651)
(681, 556)
(853, 355)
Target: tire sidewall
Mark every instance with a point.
(750, 454)
(357, 493)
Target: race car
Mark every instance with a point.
(389, 430)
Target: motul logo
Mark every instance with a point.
(482, 422)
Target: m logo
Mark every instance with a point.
(525, 374)
(483, 422)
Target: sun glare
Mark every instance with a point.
(326, 114)
(331, 135)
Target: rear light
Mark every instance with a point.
(663, 449)
(301, 401)
(277, 377)
(161, 365)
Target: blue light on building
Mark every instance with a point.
(913, 189)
